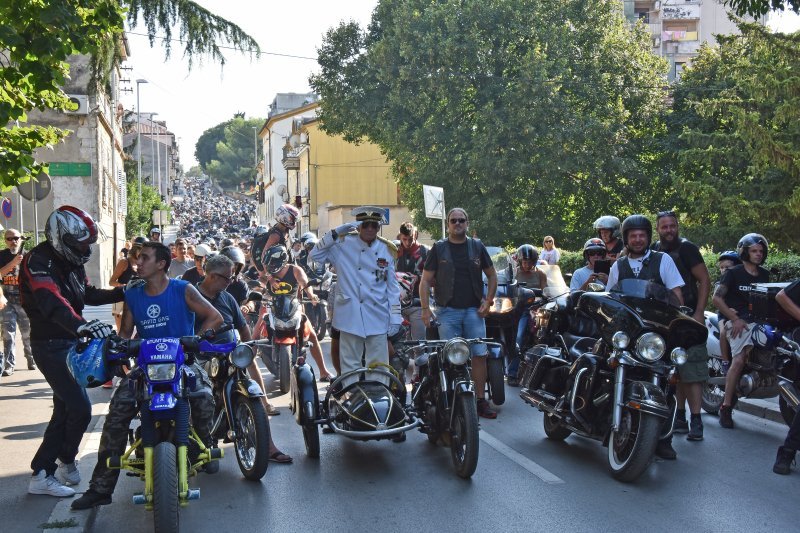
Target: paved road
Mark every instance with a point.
(524, 482)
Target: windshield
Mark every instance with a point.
(648, 290)
(502, 264)
(556, 286)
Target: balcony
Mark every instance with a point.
(682, 12)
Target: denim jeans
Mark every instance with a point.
(13, 315)
(464, 323)
(72, 410)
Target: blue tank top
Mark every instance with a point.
(165, 315)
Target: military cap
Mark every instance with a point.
(369, 212)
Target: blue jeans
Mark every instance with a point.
(462, 323)
(13, 315)
(513, 362)
(72, 410)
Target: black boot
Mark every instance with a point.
(696, 433)
(726, 417)
(90, 498)
(783, 462)
(664, 449)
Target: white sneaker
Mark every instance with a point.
(41, 483)
(68, 473)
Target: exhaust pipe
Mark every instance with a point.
(789, 392)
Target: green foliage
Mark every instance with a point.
(735, 140)
(536, 116)
(232, 161)
(758, 8)
(139, 219)
(205, 150)
(571, 261)
(36, 38)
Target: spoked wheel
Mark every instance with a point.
(285, 364)
(464, 436)
(554, 429)
(252, 437)
(786, 411)
(494, 369)
(165, 488)
(713, 395)
(311, 433)
(631, 447)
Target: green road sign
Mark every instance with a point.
(70, 169)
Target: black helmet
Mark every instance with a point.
(743, 248)
(527, 252)
(636, 222)
(730, 255)
(607, 222)
(139, 240)
(275, 258)
(593, 245)
(226, 242)
(235, 254)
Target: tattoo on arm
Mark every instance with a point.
(721, 291)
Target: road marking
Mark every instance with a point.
(532, 467)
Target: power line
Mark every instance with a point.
(292, 56)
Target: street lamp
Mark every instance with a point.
(152, 150)
(139, 138)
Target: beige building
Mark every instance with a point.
(679, 27)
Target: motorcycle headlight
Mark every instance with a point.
(502, 305)
(620, 340)
(161, 372)
(242, 356)
(678, 356)
(457, 351)
(650, 346)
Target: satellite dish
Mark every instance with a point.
(281, 189)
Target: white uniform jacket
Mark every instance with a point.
(367, 299)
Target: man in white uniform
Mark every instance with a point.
(367, 297)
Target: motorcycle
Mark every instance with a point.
(239, 414)
(603, 365)
(773, 368)
(281, 323)
(162, 380)
(317, 312)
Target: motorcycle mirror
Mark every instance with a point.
(596, 287)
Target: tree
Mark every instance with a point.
(535, 116)
(759, 8)
(233, 159)
(735, 139)
(139, 219)
(38, 36)
(206, 148)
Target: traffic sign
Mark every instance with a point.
(39, 187)
(70, 169)
(7, 207)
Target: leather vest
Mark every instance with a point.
(689, 289)
(446, 271)
(651, 268)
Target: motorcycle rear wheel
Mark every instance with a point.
(464, 436)
(311, 433)
(787, 412)
(165, 488)
(554, 429)
(497, 384)
(631, 448)
(252, 437)
(285, 364)
(713, 395)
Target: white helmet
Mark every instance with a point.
(287, 215)
(71, 232)
(201, 250)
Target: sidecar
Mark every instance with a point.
(358, 404)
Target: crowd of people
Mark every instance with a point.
(204, 279)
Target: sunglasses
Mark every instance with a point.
(457, 220)
(370, 224)
(12, 238)
(548, 242)
(226, 278)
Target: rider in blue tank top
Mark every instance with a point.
(165, 315)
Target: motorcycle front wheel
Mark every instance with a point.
(497, 385)
(631, 447)
(252, 437)
(285, 364)
(713, 395)
(165, 488)
(464, 436)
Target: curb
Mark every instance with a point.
(761, 408)
(62, 512)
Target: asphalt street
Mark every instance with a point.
(524, 482)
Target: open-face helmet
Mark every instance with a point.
(235, 254)
(87, 363)
(751, 239)
(730, 255)
(593, 245)
(608, 222)
(527, 252)
(71, 232)
(636, 222)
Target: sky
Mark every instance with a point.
(193, 101)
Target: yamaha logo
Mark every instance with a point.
(153, 311)
(161, 346)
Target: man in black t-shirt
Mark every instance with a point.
(13, 314)
(789, 299)
(731, 298)
(697, 285)
(411, 257)
(454, 266)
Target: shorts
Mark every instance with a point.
(695, 369)
(743, 341)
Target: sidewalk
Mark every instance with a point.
(767, 409)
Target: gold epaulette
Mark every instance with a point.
(389, 244)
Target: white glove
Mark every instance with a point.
(135, 282)
(346, 228)
(95, 330)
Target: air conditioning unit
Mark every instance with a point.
(82, 101)
(656, 41)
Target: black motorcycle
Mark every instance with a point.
(604, 365)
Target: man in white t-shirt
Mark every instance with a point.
(642, 263)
